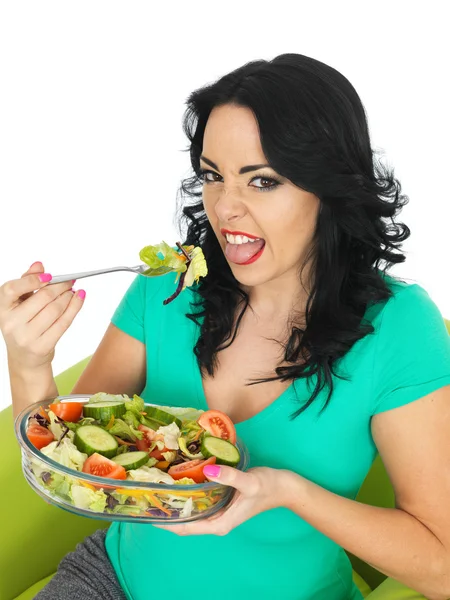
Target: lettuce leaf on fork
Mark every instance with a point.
(188, 263)
(162, 259)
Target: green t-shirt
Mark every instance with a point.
(276, 554)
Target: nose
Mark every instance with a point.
(229, 207)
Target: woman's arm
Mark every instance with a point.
(30, 385)
(411, 542)
(118, 366)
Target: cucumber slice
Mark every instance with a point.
(161, 416)
(103, 411)
(224, 451)
(132, 460)
(150, 423)
(90, 439)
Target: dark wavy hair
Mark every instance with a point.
(314, 132)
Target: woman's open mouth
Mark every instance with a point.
(242, 248)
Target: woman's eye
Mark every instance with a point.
(266, 183)
(213, 175)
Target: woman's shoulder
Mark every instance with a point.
(411, 349)
(410, 306)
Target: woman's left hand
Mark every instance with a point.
(257, 490)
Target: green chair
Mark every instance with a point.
(36, 535)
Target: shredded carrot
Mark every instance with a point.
(197, 435)
(123, 442)
(151, 498)
(157, 503)
(143, 412)
(43, 413)
(111, 422)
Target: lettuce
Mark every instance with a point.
(60, 485)
(66, 453)
(187, 509)
(190, 430)
(120, 498)
(136, 406)
(185, 481)
(162, 259)
(122, 449)
(169, 456)
(83, 421)
(171, 434)
(131, 419)
(57, 428)
(197, 268)
(150, 474)
(127, 509)
(123, 430)
(84, 497)
(105, 397)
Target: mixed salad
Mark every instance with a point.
(188, 262)
(122, 438)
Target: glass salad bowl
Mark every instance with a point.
(110, 499)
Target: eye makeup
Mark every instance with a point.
(202, 173)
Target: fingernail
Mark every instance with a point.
(38, 262)
(73, 281)
(211, 470)
(45, 277)
(81, 294)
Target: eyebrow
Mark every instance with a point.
(243, 170)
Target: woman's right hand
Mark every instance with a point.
(32, 323)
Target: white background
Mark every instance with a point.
(91, 148)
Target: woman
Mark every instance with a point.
(297, 333)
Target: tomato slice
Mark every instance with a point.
(150, 436)
(192, 469)
(101, 466)
(158, 454)
(218, 424)
(67, 411)
(147, 440)
(39, 436)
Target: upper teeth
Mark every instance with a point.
(239, 239)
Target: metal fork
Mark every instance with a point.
(140, 269)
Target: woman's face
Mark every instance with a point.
(243, 198)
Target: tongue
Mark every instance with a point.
(241, 253)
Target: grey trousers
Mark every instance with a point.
(85, 573)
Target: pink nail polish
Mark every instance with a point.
(211, 470)
(81, 294)
(45, 277)
(73, 281)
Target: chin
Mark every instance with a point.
(249, 276)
